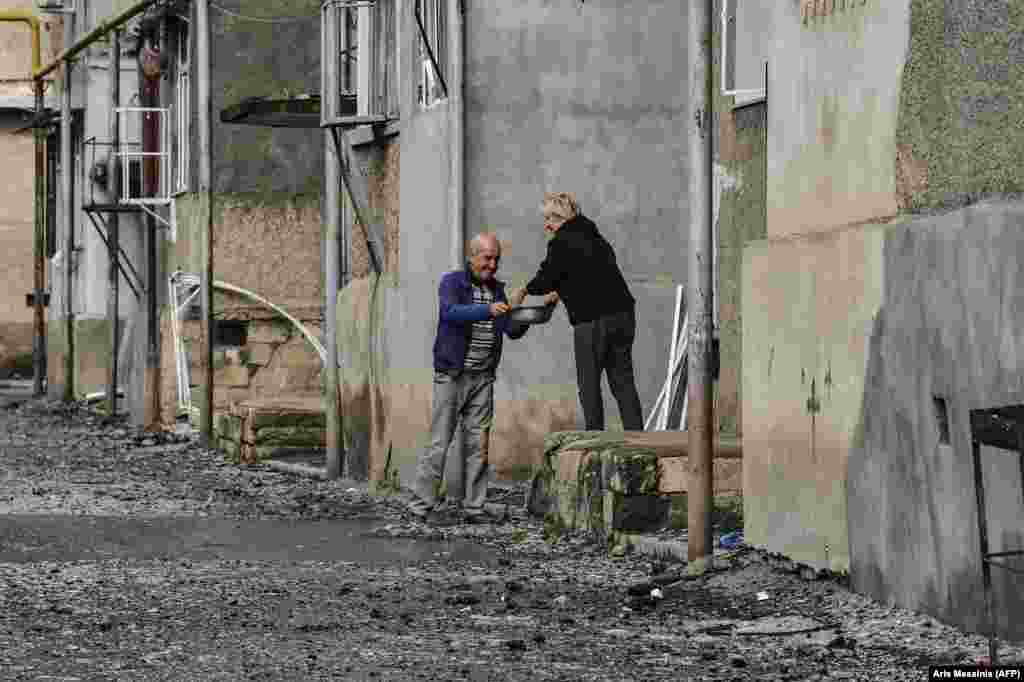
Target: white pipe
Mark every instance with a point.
(281, 311)
(680, 356)
(456, 189)
(663, 416)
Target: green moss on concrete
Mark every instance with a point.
(741, 219)
(264, 420)
(290, 435)
(961, 112)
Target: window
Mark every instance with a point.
(181, 144)
(432, 19)
(363, 41)
(745, 41)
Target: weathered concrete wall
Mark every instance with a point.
(961, 104)
(276, 360)
(950, 327)
(558, 97)
(740, 183)
(834, 95)
(808, 305)
(381, 162)
(269, 244)
(262, 59)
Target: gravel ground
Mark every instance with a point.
(394, 600)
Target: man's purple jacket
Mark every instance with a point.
(458, 313)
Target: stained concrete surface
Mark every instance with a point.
(29, 538)
(950, 328)
(551, 607)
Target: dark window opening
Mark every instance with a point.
(941, 419)
(229, 333)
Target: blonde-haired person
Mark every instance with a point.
(581, 270)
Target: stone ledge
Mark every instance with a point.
(607, 483)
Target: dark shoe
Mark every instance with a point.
(444, 517)
(485, 516)
(416, 515)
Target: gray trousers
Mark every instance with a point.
(467, 397)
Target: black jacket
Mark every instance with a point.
(581, 267)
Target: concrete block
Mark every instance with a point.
(291, 435)
(228, 427)
(264, 452)
(268, 331)
(260, 353)
(298, 353)
(232, 376)
(269, 417)
(675, 475)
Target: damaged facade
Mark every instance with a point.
(880, 307)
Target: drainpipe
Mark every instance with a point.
(456, 190)
(700, 495)
(38, 240)
(206, 227)
(114, 231)
(66, 180)
(332, 256)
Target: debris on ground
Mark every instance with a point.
(473, 601)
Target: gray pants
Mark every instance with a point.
(467, 397)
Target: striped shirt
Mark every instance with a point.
(480, 354)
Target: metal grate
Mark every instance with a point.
(146, 177)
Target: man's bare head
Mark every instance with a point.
(484, 255)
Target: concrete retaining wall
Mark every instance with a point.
(952, 326)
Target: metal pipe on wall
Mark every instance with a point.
(332, 253)
(202, 25)
(39, 255)
(456, 190)
(114, 229)
(700, 497)
(68, 214)
(92, 36)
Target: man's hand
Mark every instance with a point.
(498, 309)
(552, 298)
(516, 296)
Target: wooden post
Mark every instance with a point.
(700, 497)
(206, 203)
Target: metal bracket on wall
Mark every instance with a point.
(1001, 428)
(342, 150)
(92, 212)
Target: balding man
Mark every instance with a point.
(472, 321)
